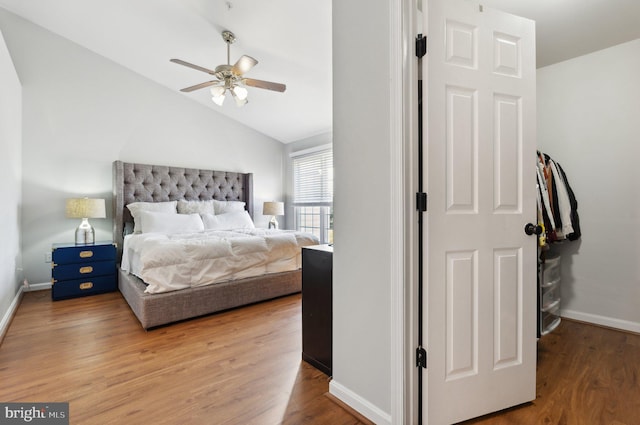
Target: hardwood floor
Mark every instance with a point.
(587, 375)
(238, 367)
(243, 367)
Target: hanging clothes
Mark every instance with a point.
(557, 205)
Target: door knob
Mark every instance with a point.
(531, 228)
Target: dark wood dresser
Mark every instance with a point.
(317, 315)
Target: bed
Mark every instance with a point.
(162, 184)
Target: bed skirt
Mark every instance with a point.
(159, 309)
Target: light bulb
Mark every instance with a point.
(218, 100)
(241, 92)
(217, 94)
(217, 91)
(239, 101)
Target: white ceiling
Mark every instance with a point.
(567, 29)
(291, 40)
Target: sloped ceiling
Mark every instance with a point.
(567, 29)
(291, 40)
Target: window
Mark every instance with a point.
(313, 192)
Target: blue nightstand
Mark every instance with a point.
(85, 269)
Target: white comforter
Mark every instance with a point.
(171, 262)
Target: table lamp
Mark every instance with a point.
(273, 209)
(85, 208)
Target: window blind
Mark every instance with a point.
(313, 178)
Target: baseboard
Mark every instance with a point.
(359, 404)
(609, 322)
(6, 320)
(38, 287)
(348, 408)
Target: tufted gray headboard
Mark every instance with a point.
(158, 183)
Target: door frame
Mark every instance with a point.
(403, 161)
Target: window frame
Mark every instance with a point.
(325, 205)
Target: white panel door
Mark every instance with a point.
(480, 177)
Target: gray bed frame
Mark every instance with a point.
(155, 183)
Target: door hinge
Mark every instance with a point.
(421, 357)
(421, 46)
(421, 201)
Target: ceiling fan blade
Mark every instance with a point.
(200, 86)
(244, 64)
(190, 65)
(261, 84)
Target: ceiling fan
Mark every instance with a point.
(230, 77)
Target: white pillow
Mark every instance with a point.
(221, 207)
(197, 207)
(227, 221)
(137, 207)
(167, 223)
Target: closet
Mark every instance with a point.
(558, 222)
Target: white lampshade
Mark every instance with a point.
(217, 95)
(241, 92)
(85, 208)
(239, 95)
(218, 100)
(217, 91)
(273, 208)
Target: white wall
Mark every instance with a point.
(10, 173)
(81, 112)
(589, 121)
(362, 260)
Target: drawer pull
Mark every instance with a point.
(87, 269)
(86, 254)
(86, 285)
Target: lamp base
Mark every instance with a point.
(273, 223)
(85, 233)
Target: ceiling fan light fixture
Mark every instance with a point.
(240, 101)
(217, 91)
(229, 77)
(241, 92)
(217, 95)
(218, 100)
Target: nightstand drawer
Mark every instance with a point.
(85, 269)
(68, 254)
(82, 270)
(82, 287)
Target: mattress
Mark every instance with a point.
(178, 261)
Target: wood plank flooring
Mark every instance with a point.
(243, 367)
(587, 375)
(238, 367)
